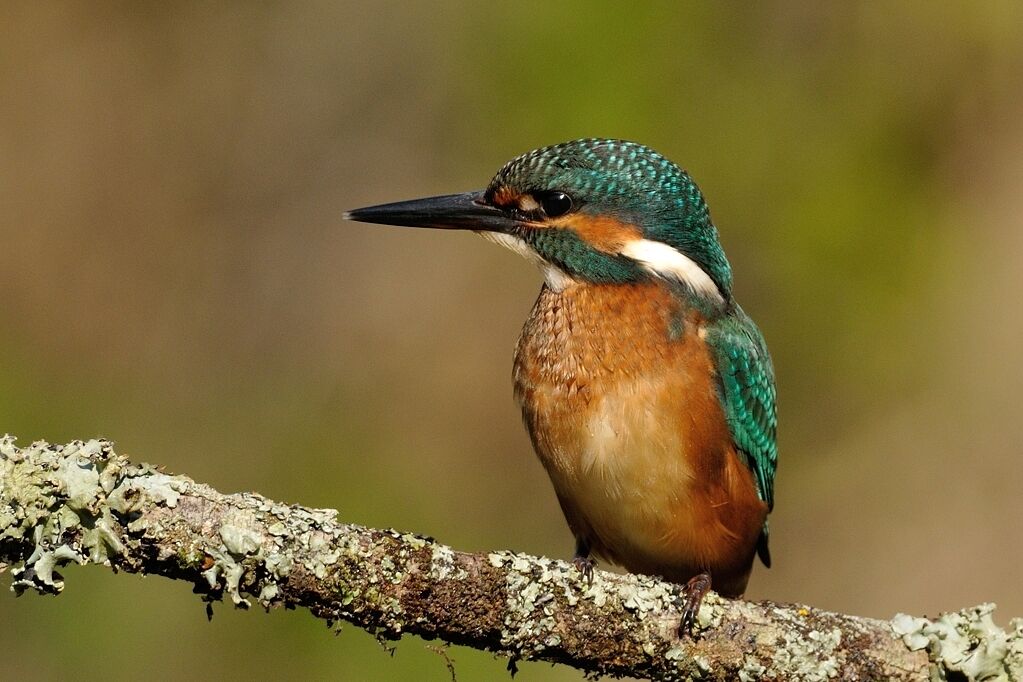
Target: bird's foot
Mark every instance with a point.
(696, 589)
(584, 565)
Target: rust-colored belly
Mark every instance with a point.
(617, 390)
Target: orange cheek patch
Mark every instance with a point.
(602, 233)
(505, 196)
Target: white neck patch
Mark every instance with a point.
(556, 278)
(666, 262)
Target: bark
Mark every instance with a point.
(82, 503)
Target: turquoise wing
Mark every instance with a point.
(746, 385)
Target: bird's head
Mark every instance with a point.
(587, 211)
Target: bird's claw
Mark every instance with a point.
(584, 565)
(696, 589)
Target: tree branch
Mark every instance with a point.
(82, 503)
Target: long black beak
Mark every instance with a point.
(466, 211)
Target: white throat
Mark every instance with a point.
(556, 278)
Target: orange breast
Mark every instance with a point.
(617, 389)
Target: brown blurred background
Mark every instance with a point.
(176, 276)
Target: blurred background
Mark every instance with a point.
(176, 276)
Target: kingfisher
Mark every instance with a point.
(647, 392)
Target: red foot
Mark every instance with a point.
(696, 588)
(584, 565)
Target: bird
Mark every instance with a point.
(648, 393)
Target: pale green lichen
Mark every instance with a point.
(443, 565)
(678, 652)
(645, 599)
(390, 570)
(805, 652)
(79, 479)
(414, 541)
(497, 559)
(164, 489)
(599, 593)
(102, 539)
(239, 538)
(38, 570)
(233, 573)
(58, 499)
(1014, 655)
(966, 642)
(521, 563)
(279, 565)
(711, 612)
(86, 494)
(540, 590)
(702, 663)
(751, 670)
(533, 586)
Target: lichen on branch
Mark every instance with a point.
(82, 503)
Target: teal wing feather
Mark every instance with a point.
(747, 392)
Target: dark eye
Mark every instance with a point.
(555, 203)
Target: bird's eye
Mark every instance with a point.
(555, 204)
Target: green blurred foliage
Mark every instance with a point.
(176, 277)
